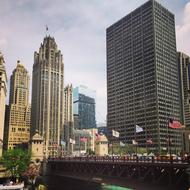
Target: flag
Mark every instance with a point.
(83, 139)
(63, 143)
(72, 141)
(138, 129)
(46, 28)
(174, 124)
(134, 142)
(149, 141)
(97, 135)
(121, 144)
(115, 133)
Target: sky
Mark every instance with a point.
(79, 28)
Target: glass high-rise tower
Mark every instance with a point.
(48, 95)
(142, 77)
(84, 108)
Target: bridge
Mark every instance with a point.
(133, 172)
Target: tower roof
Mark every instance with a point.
(102, 138)
(1, 59)
(37, 137)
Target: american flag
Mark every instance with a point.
(149, 141)
(83, 139)
(174, 124)
(97, 135)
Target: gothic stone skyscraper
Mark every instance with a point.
(48, 94)
(3, 95)
(142, 76)
(68, 119)
(17, 128)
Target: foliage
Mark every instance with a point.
(32, 171)
(90, 152)
(127, 149)
(16, 161)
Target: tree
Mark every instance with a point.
(32, 173)
(16, 161)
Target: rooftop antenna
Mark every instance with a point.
(47, 29)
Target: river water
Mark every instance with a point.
(60, 183)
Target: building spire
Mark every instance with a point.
(47, 29)
(1, 59)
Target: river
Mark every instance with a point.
(60, 183)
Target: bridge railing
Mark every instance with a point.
(136, 159)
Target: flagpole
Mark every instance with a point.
(169, 147)
(79, 146)
(136, 139)
(146, 146)
(112, 146)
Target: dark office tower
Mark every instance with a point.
(142, 77)
(184, 78)
(84, 108)
(48, 94)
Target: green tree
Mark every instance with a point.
(16, 161)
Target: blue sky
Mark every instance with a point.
(79, 28)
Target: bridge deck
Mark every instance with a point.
(164, 172)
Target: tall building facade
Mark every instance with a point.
(68, 118)
(48, 94)
(184, 78)
(142, 77)
(17, 128)
(3, 95)
(84, 108)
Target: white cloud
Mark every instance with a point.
(183, 31)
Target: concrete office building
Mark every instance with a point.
(17, 128)
(84, 108)
(184, 76)
(68, 118)
(3, 95)
(142, 77)
(48, 95)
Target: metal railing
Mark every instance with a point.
(123, 159)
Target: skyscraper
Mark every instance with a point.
(48, 94)
(84, 108)
(68, 119)
(3, 94)
(184, 78)
(142, 77)
(17, 129)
